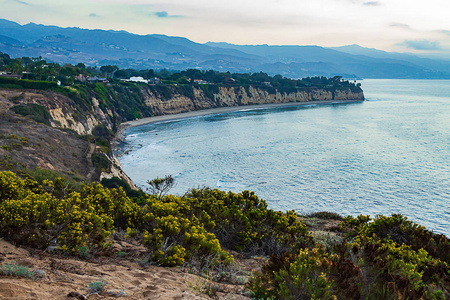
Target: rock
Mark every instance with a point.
(246, 294)
(76, 295)
(237, 96)
(116, 293)
(51, 248)
(39, 274)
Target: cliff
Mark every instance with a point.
(86, 118)
(119, 240)
(203, 98)
(45, 130)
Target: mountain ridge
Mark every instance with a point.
(157, 51)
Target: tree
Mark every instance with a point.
(81, 66)
(183, 80)
(151, 74)
(121, 74)
(109, 70)
(160, 186)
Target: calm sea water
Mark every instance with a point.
(389, 154)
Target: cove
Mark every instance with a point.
(386, 155)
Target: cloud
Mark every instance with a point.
(372, 3)
(365, 3)
(21, 2)
(165, 14)
(400, 25)
(162, 14)
(421, 45)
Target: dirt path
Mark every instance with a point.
(124, 276)
(89, 152)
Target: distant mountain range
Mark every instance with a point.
(127, 50)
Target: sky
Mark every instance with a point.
(393, 25)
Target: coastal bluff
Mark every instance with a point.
(201, 98)
(88, 117)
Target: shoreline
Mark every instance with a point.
(119, 134)
(217, 110)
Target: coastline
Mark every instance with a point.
(218, 110)
(119, 135)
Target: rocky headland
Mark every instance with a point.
(85, 120)
(66, 239)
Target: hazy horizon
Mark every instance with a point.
(395, 25)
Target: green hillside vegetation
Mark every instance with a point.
(37, 69)
(380, 258)
(383, 258)
(124, 101)
(175, 229)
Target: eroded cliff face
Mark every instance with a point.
(236, 96)
(111, 107)
(66, 120)
(63, 111)
(116, 171)
(65, 115)
(68, 154)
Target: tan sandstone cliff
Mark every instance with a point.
(236, 96)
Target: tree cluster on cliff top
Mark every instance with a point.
(36, 68)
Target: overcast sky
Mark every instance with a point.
(392, 25)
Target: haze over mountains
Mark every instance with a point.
(127, 50)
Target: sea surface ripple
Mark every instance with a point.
(389, 154)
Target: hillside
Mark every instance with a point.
(63, 237)
(69, 130)
(154, 51)
(26, 144)
(89, 241)
(75, 237)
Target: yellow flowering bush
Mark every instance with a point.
(243, 222)
(302, 277)
(379, 257)
(84, 218)
(30, 213)
(388, 257)
(203, 221)
(403, 256)
(175, 256)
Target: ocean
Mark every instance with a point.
(389, 154)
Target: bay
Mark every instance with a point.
(389, 154)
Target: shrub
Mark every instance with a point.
(196, 226)
(100, 131)
(29, 84)
(328, 215)
(400, 269)
(83, 252)
(100, 161)
(300, 277)
(31, 213)
(400, 230)
(386, 258)
(35, 111)
(13, 269)
(96, 286)
(10, 86)
(243, 222)
(115, 183)
(380, 271)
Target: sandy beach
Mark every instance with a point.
(220, 110)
